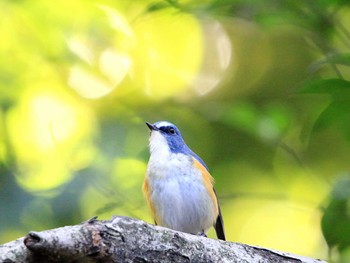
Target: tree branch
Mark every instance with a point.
(124, 239)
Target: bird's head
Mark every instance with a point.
(166, 138)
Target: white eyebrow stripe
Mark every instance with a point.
(163, 124)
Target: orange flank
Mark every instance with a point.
(208, 182)
(146, 192)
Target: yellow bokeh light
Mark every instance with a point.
(216, 58)
(168, 51)
(54, 121)
(88, 84)
(2, 135)
(50, 133)
(283, 225)
(275, 212)
(129, 173)
(163, 54)
(114, 65)
(117, 20)
(81, 48)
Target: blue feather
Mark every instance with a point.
(175, 141)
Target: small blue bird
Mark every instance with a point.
(178, 186)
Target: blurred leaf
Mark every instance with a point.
(341, 190)
(243, 116)
(156, 6)
(328, 86)
(337, 113)
(336, 218)
(267, 123)
(342, 59)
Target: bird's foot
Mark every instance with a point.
(202, 234)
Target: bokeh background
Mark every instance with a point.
(259, 89)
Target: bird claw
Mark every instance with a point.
(202, 234)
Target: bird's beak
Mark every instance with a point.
(151, 126)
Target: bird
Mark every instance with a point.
(178, 186)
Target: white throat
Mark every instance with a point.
(158, 145)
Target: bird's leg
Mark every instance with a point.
(202, 234)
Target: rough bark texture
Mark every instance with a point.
(124, 239)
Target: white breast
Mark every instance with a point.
(177, 191)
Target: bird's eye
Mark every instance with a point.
(171, 130)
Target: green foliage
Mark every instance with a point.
(336, 217)
(337, 111)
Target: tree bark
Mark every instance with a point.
(124, 239)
